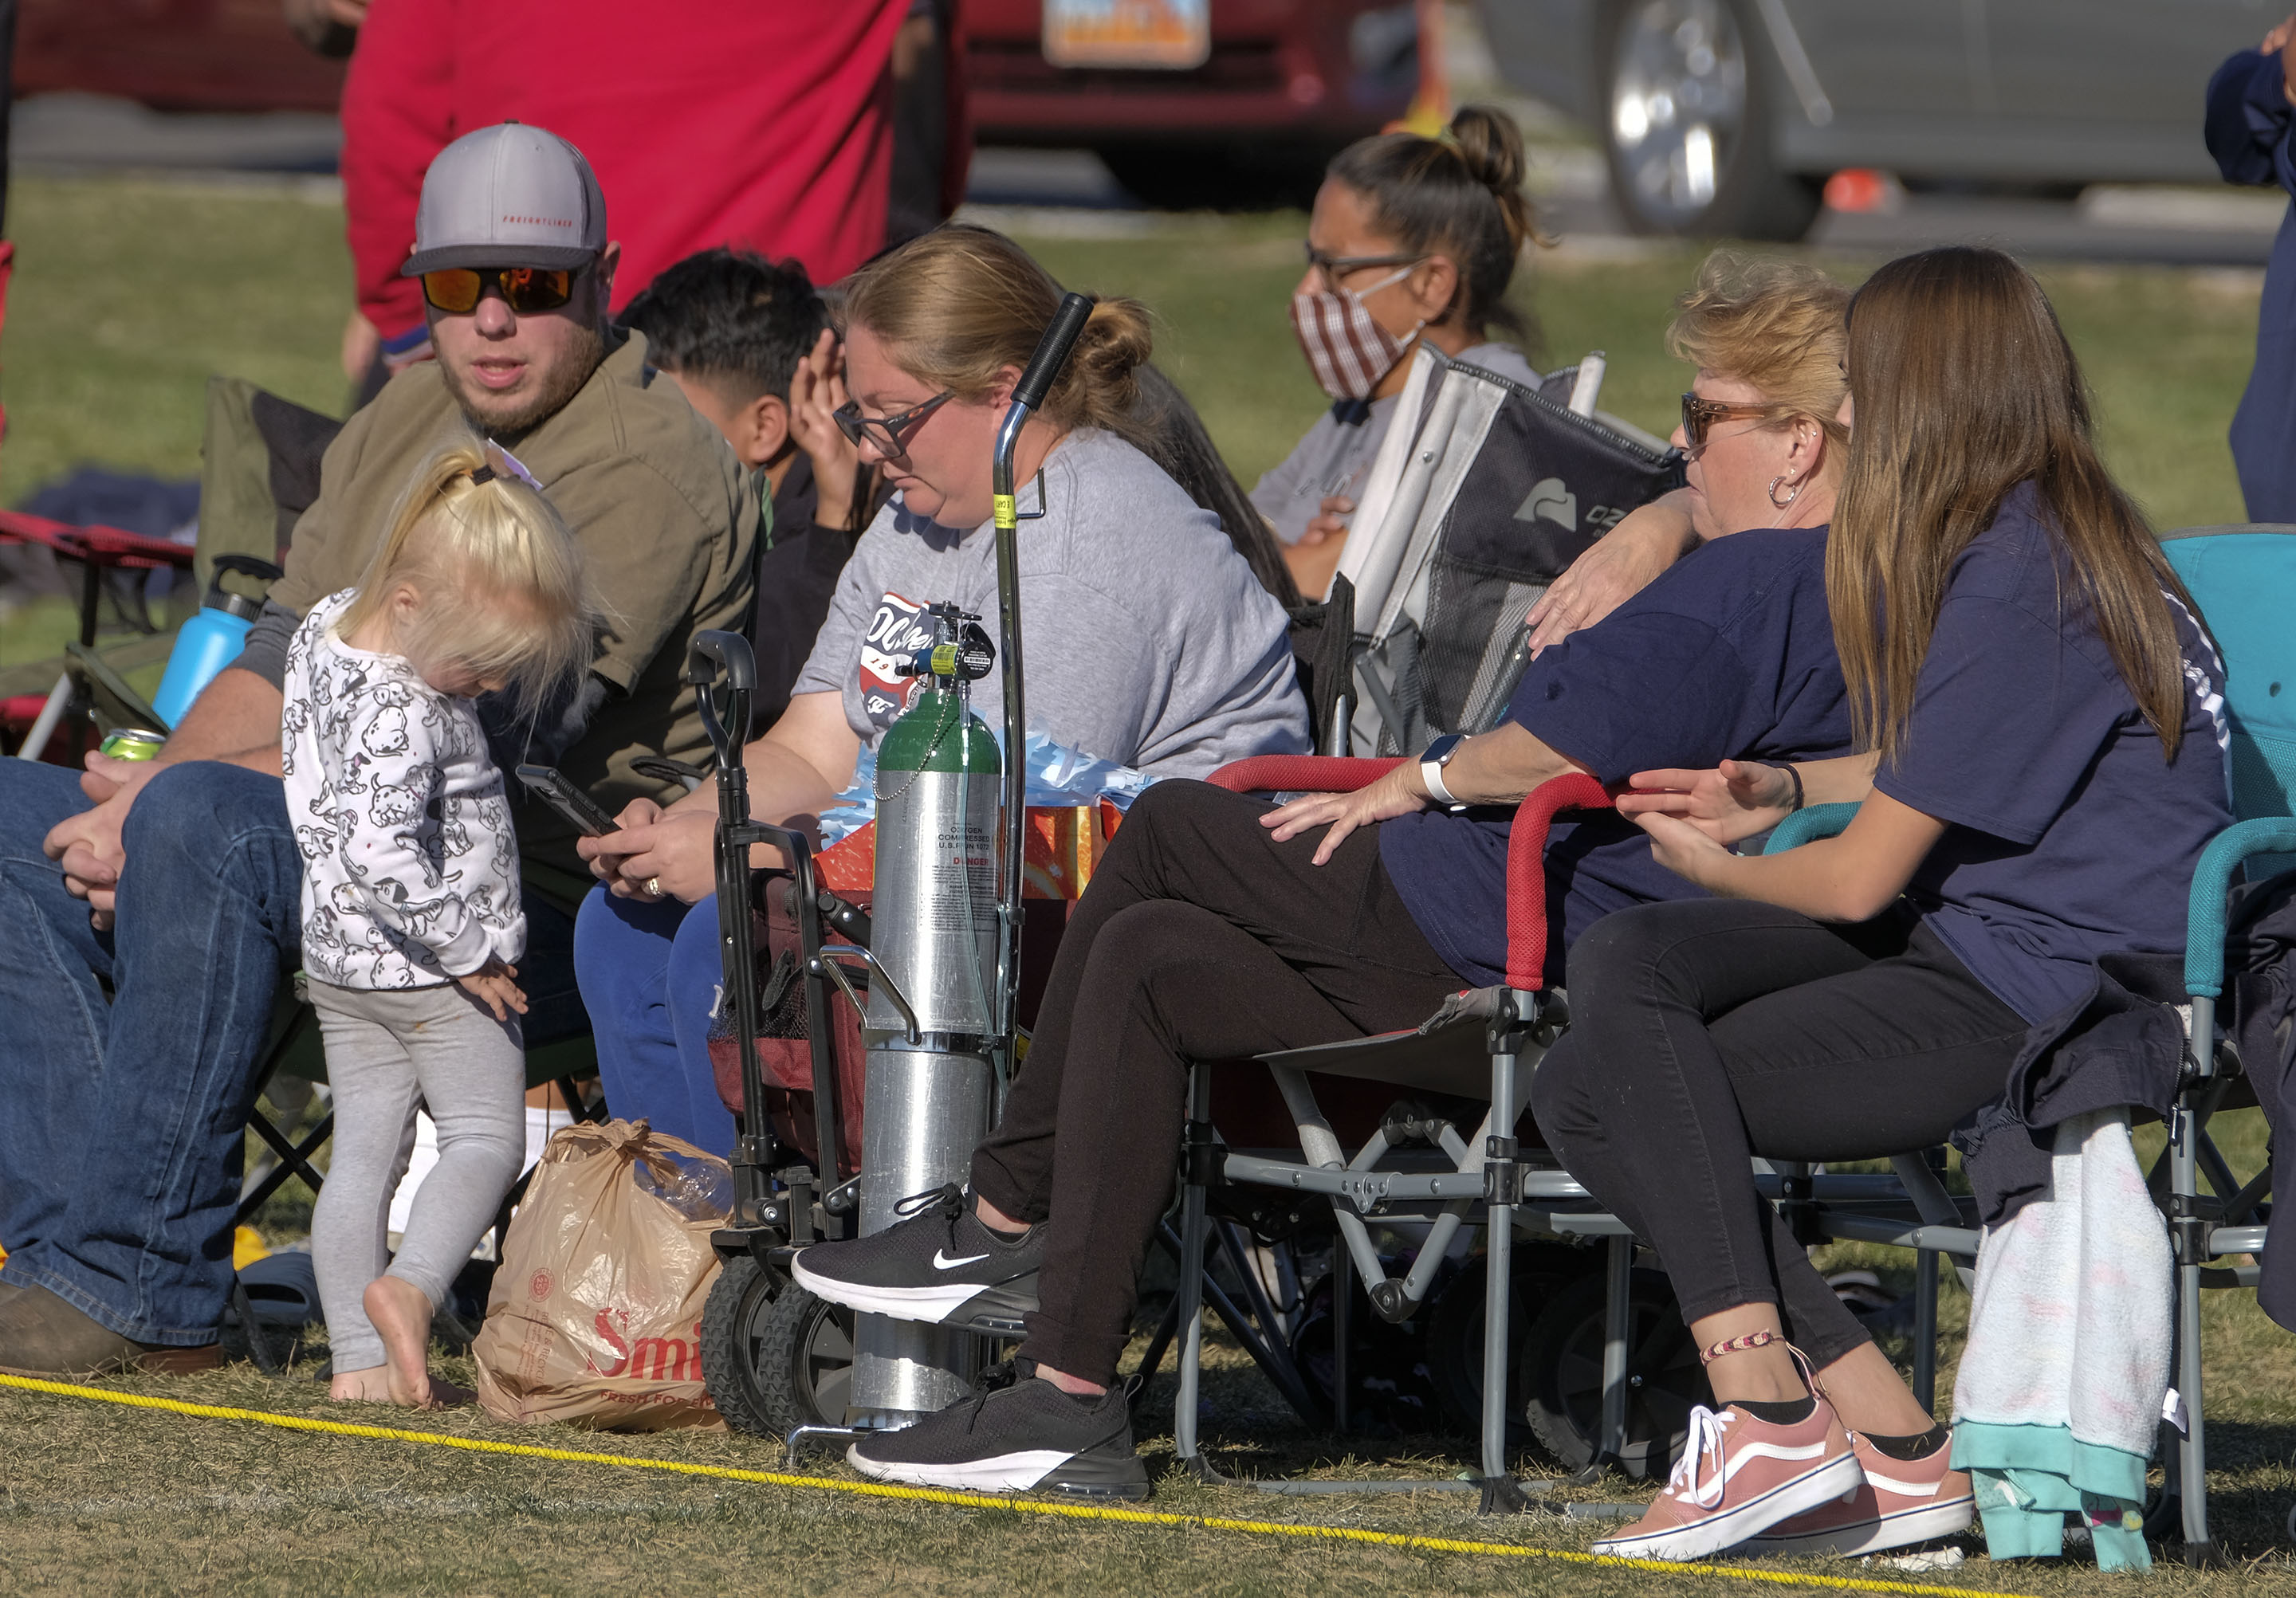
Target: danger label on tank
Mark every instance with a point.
(899, 629)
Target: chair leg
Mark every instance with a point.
(1618, 1309)
(1501, 1494)
(1925, 1333)
(2188, 1232)
(1194, 1232)
(2192, 1448)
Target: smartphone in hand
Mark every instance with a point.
(551, 786)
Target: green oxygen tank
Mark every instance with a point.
(939, 785)
(929, 1091)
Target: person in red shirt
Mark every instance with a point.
(769, 128)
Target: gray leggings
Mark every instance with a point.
(387, 1053)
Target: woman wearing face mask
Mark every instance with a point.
(1411, 239)
(1149, 641)
(1417, 239)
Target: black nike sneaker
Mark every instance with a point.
(940, 1265)
(1014, 1433)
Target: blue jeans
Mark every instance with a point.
(649, 974)
(120, 1145)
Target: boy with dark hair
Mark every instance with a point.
(749, 342)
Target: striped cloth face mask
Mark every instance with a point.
(1347, 350)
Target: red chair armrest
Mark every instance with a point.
(116, 546)
(1301, 774)
(1526, 899)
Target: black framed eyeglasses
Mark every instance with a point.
(1699, 416)
(1335, 266)
(526, 290)
(885, 432)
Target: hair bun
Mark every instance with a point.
(1490, 146)
(1118, 335)
(1113, 345)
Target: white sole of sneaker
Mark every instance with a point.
(1005, 1473)
(1044, 1469)
(931, 1305)
(1903, 1528)
(1716, 1533)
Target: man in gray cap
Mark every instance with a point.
(177, 883)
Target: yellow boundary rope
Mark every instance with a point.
(1027, 1506)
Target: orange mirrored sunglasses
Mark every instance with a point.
(457, 290)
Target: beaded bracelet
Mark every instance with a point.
(1739, 1345)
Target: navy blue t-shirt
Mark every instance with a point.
(2069, 835)
(1728, 656)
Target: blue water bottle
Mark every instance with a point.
(212, 639)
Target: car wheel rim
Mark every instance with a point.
(1678, 105)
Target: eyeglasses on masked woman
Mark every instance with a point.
(1333, 267)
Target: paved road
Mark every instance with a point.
(2213, 227)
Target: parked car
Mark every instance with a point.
(1725, 116)
(1271, 90)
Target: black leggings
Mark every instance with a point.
(1198, 939)
(1709, 1031)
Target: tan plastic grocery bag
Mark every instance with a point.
(595, 1317)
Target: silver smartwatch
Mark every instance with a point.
(1433, 758)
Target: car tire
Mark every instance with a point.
(774, 1361)
(1687, 105)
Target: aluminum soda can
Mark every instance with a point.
(132, 744)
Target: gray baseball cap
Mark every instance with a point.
(510, 195)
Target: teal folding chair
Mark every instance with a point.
(2244, 579)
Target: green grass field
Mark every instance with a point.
(129, 294)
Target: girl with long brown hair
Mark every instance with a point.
(2042, 707)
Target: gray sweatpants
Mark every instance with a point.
(387, 1053)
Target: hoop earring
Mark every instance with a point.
(1790, 493)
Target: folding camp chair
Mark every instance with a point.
(1420, 1171)
(2242, 577)
(90, 683)
(1483, 493)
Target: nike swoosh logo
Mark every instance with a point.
(942, 1262)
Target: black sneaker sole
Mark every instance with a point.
(1025, 1470)
(996, 1310)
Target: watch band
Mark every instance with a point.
(1433, 759)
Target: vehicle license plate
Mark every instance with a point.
(1171, 34)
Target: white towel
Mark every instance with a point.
(2069, 1325)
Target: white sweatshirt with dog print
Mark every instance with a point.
(410, 867)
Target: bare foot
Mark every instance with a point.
(401, 1314)
(370, 1386)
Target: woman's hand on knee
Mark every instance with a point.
(1398, 793)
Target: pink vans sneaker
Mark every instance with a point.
(1903, 1502)
(1737, 1477)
